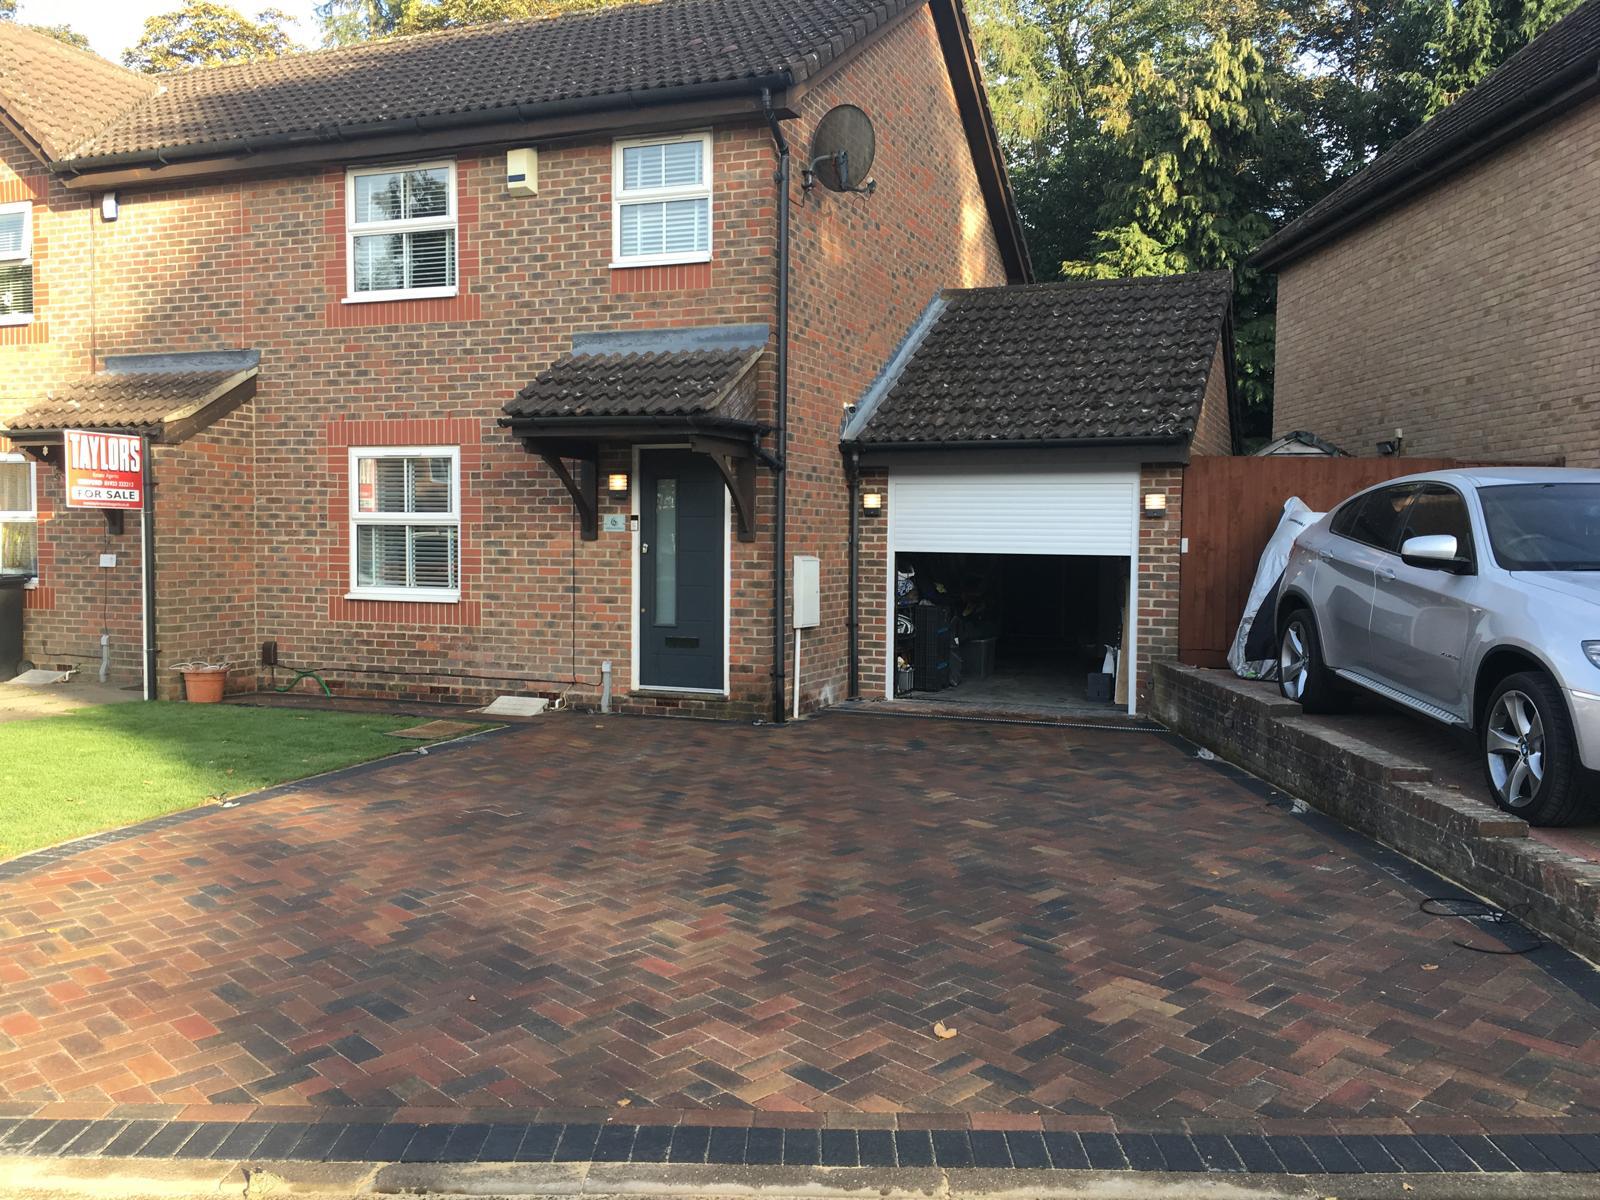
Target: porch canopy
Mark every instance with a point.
(165, 397)
(693, 387)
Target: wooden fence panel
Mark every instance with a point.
(1230, 508)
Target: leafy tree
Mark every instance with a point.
(62, 33)
(450, 14)
(206, 34)
(347, 21)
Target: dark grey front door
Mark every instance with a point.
(682, 524)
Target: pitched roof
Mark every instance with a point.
(1528, 88)
(1124, 359)
(455, 77)
(60, 95)
(163, 395)
(685, 373)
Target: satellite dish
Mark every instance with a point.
(842, 149)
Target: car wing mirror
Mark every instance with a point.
(1434, 551)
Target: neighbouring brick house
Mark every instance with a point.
(1448, 289)
(473, 388)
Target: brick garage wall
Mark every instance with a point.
(1160, 540)
(872, 604)
(1465, 317)
(1388, 798)
(863, 271)
(1213, 433)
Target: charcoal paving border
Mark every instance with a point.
(759, 1146)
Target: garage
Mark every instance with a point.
(1011, 588)
(1017, 493)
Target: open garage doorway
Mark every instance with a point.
(1012, 631)
(1014, 591)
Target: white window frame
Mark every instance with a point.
(621, 197)
(26, 257)
(352, 229)
(30, 515)
(416, 595)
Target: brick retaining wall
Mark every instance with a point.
(1388, 797)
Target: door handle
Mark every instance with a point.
(1386, 573)
(644, 547)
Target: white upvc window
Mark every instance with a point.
(400, 223)
(16, 263)
(19, 516)
(661, 201)
(405, 523)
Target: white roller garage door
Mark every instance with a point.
(1015, 512)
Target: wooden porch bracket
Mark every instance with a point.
(583, 485)
(737, 466)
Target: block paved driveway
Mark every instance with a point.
(684, 915)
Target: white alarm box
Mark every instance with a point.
(522, 171)
(807, 591)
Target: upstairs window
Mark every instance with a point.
(405, 517)
(16, 263)
(402, 232)
(661, 201)
(19, 517)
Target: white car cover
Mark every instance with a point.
(1296, 517)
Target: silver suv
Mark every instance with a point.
(1472, 597)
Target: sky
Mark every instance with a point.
(113, 25)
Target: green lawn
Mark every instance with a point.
(112, 765)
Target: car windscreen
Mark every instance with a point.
(1544, 526)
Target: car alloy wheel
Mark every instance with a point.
(1514, 744)
(1294, 660)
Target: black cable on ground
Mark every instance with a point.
(1469, 909)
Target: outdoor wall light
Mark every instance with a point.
(617, 482)
(1155, 504)
(872, 503)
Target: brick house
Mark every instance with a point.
(483, 387)
(1446, 292)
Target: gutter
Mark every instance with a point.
(1015, 444)
(1274, 258)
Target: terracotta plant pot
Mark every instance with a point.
(205, 685)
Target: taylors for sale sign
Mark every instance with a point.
(104, 470)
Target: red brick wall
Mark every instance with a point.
(1159, 563)
(864, 270)
(259, 263)
(1465, 317)
(1213, 433)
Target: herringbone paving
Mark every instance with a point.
(610, 915)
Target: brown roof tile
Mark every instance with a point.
(455, 76)
(684, 383)
(140, 392)
(1121, 358)
(58, 94)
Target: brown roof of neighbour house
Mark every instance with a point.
(1120, 360)
(705, 373)
(455, 76)
(58, 95)
(1559, 68)
(164, 395)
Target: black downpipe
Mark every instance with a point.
(780, 522)
(853, 470)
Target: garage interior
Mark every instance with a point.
(1011, 631)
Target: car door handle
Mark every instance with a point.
(1386, 573)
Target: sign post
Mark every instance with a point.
(112, 471)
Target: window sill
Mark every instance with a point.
(661, 260)
(17, 319)
(408, 596)
(385, 297)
